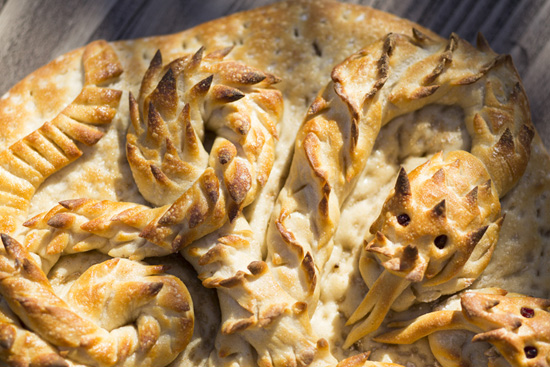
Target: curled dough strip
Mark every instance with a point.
(82, 225)
(29, 161)
(92, 325)
(254, 306)
(517, 325)
(422, 235)
(177, 103)
(394, 76)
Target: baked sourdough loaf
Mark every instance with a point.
(310, 183)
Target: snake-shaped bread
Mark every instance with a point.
(438, 227)
(518, 327)
(268, 302)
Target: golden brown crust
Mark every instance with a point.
(304, 41)
(29, 161)
(426, 244)
(517, 325)
(84, 327)
(177, 103)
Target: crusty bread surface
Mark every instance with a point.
(297, 43)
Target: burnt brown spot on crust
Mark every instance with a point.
(423, 92)
(257, 267)
(165, 97)
(472, 196)
(475, 236)
(7, 336)
(237, 326)
(197, 215)
(227, 153)
(402, 185)
(233, 211)
(159, 175)
(505, 144)
(73, 204)
(233, 281)
(211, 185)
(225, 94)
(269, 315)
(525, 137)
(212, 255)
(408, 258)
(439, 210)
(239, 183)
(203, 86)
(61, 220)
(308, 265)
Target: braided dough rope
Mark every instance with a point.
(29, 161)
(254, 306)
(422, 235)
(170, 165)
(20, 347)
(517, 325)
(81, 225)
(92, 325)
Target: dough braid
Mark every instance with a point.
(176, 105)
(29, 161)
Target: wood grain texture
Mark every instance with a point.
(35, 32)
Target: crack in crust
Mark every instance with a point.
(516, 325)
(176, 104)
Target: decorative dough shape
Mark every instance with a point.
(271, 209)
(517, 325)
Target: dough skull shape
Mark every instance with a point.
(177, 103)
(517, 326)
(439, 226)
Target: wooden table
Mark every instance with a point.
(34, 31)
